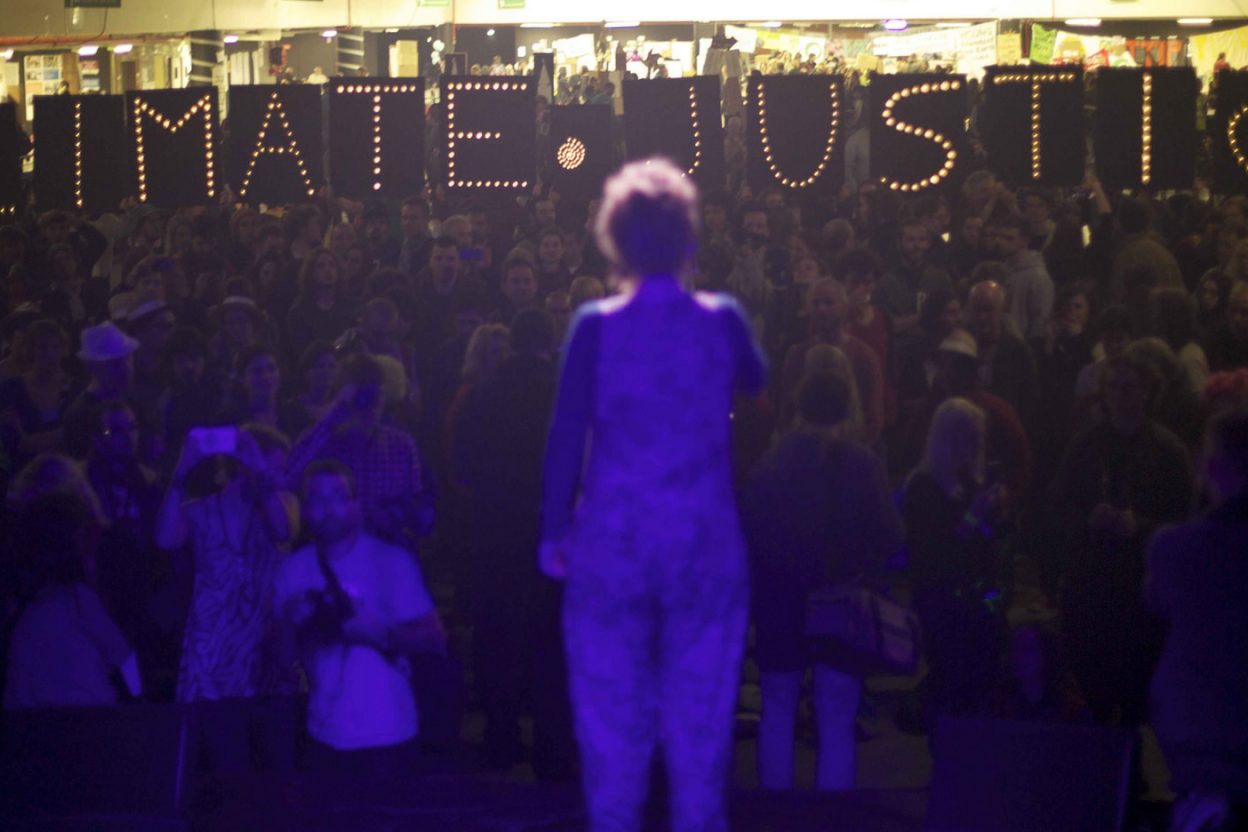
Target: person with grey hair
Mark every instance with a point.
(656, 598)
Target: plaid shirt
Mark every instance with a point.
(387, 472)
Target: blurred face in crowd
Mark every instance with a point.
(550, 250)
(520, 286)
(270, 243)
(56, 229)
(329, 509)
(987, 312)
(267, 274)
(861, 288)
(1228, 239)
(715, 218)
(113, 376)
(156, 330)
(49, 353)
(238, 326)
(806, 271)
(261, 377)
(560, 309)
(119, 434)
(915, 242)
(1208, 295)
(341, 238)
(544, 213)
(773, 200)
(414, 221)
(754, 224)
(971, 228)
(64, 266)
(151, 286)
(153, 227)
(444, 262)
(1074, 313)
(466, 322)
(1126, 396)
(320, 375)
(11, 251)
(1035, 210)
(245, 227)
(325, 270)
(353, 262)
(950, 317)
(376, 229)
(828, 307)
(313, 230)
(181, 238)
(1009, 242)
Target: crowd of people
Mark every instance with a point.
(251, 455)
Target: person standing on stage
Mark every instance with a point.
(656, 601)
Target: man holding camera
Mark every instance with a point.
(354, 609)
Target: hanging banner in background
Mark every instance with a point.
(11, 195)
(489, 133)
(918, 124)
(1228, 133)
(274, 149)
(1009, 48)
(1203, 50)
(1145, 130)
(1032, 124)
(580, 153)
(794, 132)
(1043, 44)
(377, 136)
(175, 135)
(678, 118)
(81, 159)
(544, 75)
(975, 49)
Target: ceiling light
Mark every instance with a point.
(489, 33)
(7, 54)
(329, 34)
(231, 38)
(393, 32)
(770, 24)
(123, 48)
(1084, 22)
(88, 51)
(622, 24)
(896, 24)
(1195, 21)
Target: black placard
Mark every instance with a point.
(1032, 124)
(80, 159)
(1228, 133)
(580, 151)
(678, 118)
(1119, 132)
(274, 146)
(795, 136)
(175, 136)
(489, 134)
(924, 146)
(377, 136)
(11, 196)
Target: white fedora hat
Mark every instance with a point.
(105, 343)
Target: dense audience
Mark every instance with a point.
(234, 439)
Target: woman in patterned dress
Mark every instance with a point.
(235, 536)
(656, 601)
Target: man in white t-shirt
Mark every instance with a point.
(354, 608)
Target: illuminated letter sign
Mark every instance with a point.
(489, 136)
(175, 166)
(678, 118)
(274, 148)
(1228, 132)
(79, 158)
(917, 128)
(377, 136)
(580, 147)
(1145, 133)
(1050, 150)
(794, 131)
(11, 197)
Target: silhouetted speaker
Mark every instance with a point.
(998, 776)
(94, 763)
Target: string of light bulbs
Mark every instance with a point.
(951, 155)
(769, 153)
